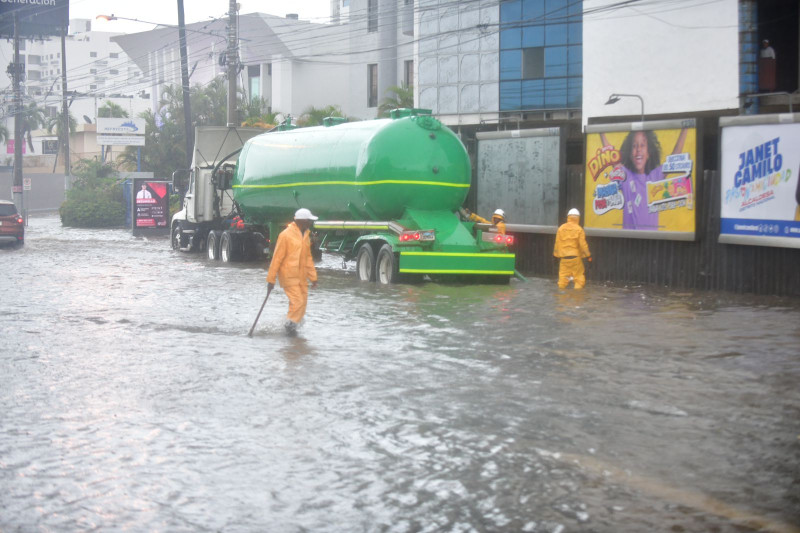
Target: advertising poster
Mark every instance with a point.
(151, 205)
(641, 183)
(759, 186)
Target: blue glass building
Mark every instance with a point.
(541, 54)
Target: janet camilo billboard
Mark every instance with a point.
(759, 188)
(641, 180)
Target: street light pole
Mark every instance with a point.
(232, 61)
(18, 114)
(187, 110)
(64, 105)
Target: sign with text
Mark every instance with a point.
(641, 182)
(120, 140)
(759, 185)
(150, 206)
(50, 146)
(36, 17)
(120, 131)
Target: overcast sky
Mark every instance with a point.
(166, 11)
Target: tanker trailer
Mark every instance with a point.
(387, 193)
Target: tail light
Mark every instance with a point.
(20, 220)
(240, 224)
(416, 236)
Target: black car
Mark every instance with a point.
(12, 226)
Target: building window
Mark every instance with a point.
(113, 55)
(92, 71)
(372, 85)
(532, 63)
(92, 54)
(541, 63)
(372, 15)
(345, 3)
(408, 68)
(92, 87)
(112, 71)
(254, 75)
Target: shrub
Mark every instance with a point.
(95, 199)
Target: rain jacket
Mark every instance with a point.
(571, 240)
(571, 248)
(291, 262)
(500, 225)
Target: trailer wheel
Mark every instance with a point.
(387, 266)
(212, 245)
(227, 248)
(365, 263)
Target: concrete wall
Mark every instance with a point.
(679, 60)
(46, 194)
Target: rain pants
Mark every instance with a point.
(294, 268)
(571, 248)
(499, 224)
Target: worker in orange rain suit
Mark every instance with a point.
(498, 219)
(293, 266)
(571, 248)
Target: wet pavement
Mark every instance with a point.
(132, 399)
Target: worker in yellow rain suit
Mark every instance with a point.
(293, 266)
(571, 248)
(498, 219)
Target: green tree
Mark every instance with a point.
(111, 110)
(397, 97)
(57, 123)
(95, 199)
(209, 103)
(313, 116)
(32, 118)
(164, 150)
(3, 133)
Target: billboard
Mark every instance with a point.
(150, 206)
(518, 171)
(36, 17)
(759, 185)
(120, 131)
(641, 180)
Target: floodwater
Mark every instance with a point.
(131, 398)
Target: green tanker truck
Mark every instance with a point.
(386, 191)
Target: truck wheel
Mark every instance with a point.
(177, 238)
(228, 247)
(365, 263)
(387, 266)
(212, 245)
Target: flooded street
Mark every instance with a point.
(132, 399)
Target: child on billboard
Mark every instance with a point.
(641, 164)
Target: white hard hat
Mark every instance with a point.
(500, 213)
(304, 214)
(574, 212)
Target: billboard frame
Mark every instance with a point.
(552, 131)
(619, 127)
(753, 120)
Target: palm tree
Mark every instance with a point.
(401, 97)
(57, 122)
(313, 116)
(111, 110)
(32, 118)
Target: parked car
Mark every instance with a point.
(12, 226)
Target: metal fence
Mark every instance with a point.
(703, 264)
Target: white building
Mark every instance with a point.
(97, 71)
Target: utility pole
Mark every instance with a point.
(18, 136)
(64, 105)
(187, 109)
(232, 59)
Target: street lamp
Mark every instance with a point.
(614, 98)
